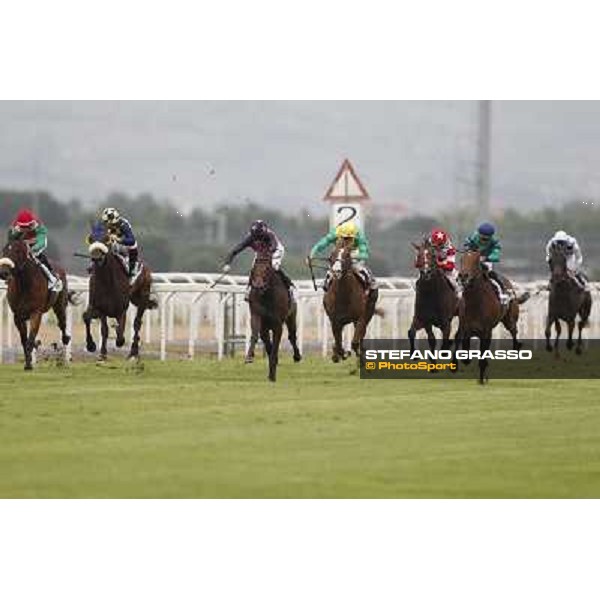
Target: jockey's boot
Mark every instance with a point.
(289, 284)
(54, 283)
(496, 281)
(133, 256)
(326, 281)
(581, 280)
(372, 299)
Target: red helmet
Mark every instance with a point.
(26, 218)
(438, 237)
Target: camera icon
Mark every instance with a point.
(370, 366)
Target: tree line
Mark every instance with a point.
(199, 241)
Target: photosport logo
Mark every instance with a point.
(394, 359)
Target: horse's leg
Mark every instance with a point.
(466, 345)
(104, 333)
(558, 329)
(254, 332)
(570, 328)
(274, 354)
(446, 343)
(120, 332)
(60, 310)
(484, 344)
(21, 325)
(430, 337)
(265, 336)
(137, 325)
(580, 326)
(88, 315)
(412, 332)
(512, 327)
(548, 332)
(337, 351)
(360, 330)
(34, 326)
(290, 323)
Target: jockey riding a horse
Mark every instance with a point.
(261, 237)
(124, 242)
(29, 228)
(486, 243)
(568, 244)
(444, 253)
(360, 253)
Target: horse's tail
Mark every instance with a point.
(152, 303)
(523, 297)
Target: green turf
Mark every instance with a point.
(220, 430)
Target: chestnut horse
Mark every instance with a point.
(110, 293)
(270, 308)
(29, 297)
(346, 301)
(480, 309)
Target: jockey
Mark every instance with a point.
(260, 237)
(124, 241)
(360, 252)
(28, 227)
(562, 239)
(445, 255)
(487, 244)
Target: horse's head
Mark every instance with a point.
(262, 271)
(98, 240)
(424, 259)
(558, 262)
(470, 267)
(341, 257)
(14, 258)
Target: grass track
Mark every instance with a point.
(220, 430)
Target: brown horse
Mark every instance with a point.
(567, 301)
(29, 297)
(110, 293)
(480, 309)
(270, 308)
(346, 301)
(436, 301)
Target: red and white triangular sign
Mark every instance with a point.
(346, 186)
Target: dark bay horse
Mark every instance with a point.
(29, 297)
(480, 309)
(567, 301)
(270, 308)
(436, 301)
(346, 301)
(110, 293)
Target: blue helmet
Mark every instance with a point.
(486, 229)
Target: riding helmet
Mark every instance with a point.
(110, 215)
(486, 229)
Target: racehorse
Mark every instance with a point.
(29, 297)
(566, 301)
(346, 301)
(480, 309)
(110, 293)
(436, 301)
(270, 308)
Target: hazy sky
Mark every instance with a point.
(421, 154)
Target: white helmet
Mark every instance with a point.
(110, 215)
(561, 236)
